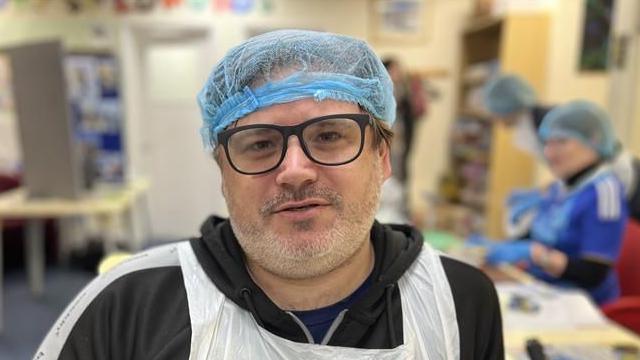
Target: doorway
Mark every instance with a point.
(167, 65)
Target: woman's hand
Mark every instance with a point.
(552, 261)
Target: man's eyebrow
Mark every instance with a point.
(324, 124)
(259, 131)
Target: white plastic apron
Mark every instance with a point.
(222, 330)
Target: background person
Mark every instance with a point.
(576, 234)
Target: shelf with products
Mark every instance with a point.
(469, 157)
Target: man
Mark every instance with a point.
(298, 123)
(411, 103)
(407, 115)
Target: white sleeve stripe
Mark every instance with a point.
(615, 199)
(607, 197)
(615, 204)
(601, 199)
(608, 200)
(53, 343)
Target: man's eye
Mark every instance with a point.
(260, 145)
(329, 136)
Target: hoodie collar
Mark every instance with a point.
(222, 258)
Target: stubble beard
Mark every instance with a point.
(323, 250)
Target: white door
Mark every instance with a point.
(185, 181)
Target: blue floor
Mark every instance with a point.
(28, 319)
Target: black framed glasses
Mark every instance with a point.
(330, 140)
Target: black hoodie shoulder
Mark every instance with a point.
(138, 310)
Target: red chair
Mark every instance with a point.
(13, 232)
(626, 310)
(8, 182)
(628, 266)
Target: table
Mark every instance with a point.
(105, 202)
(596, 333)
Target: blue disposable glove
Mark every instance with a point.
(509, 252)
(521, 202)
(478, 240)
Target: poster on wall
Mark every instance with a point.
(96, 110)
(403, 21)
(596, 34)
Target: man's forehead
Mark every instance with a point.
(297, 111)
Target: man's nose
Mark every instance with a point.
(296, 168)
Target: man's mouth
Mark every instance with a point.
(300, 206)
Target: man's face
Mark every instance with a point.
(304, 219)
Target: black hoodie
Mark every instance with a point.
(144, 314)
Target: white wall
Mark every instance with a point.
(565, 81)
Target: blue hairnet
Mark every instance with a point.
(507, 94)
(288, 65)
(581, 120)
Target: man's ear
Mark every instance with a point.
(216, 154)
(223, 189)
(220, 159)
(385, 158)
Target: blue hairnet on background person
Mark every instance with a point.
(299, 126)
(575, 237)
(583, 121)
(508, 94)
(512, 101)
(591, 125)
